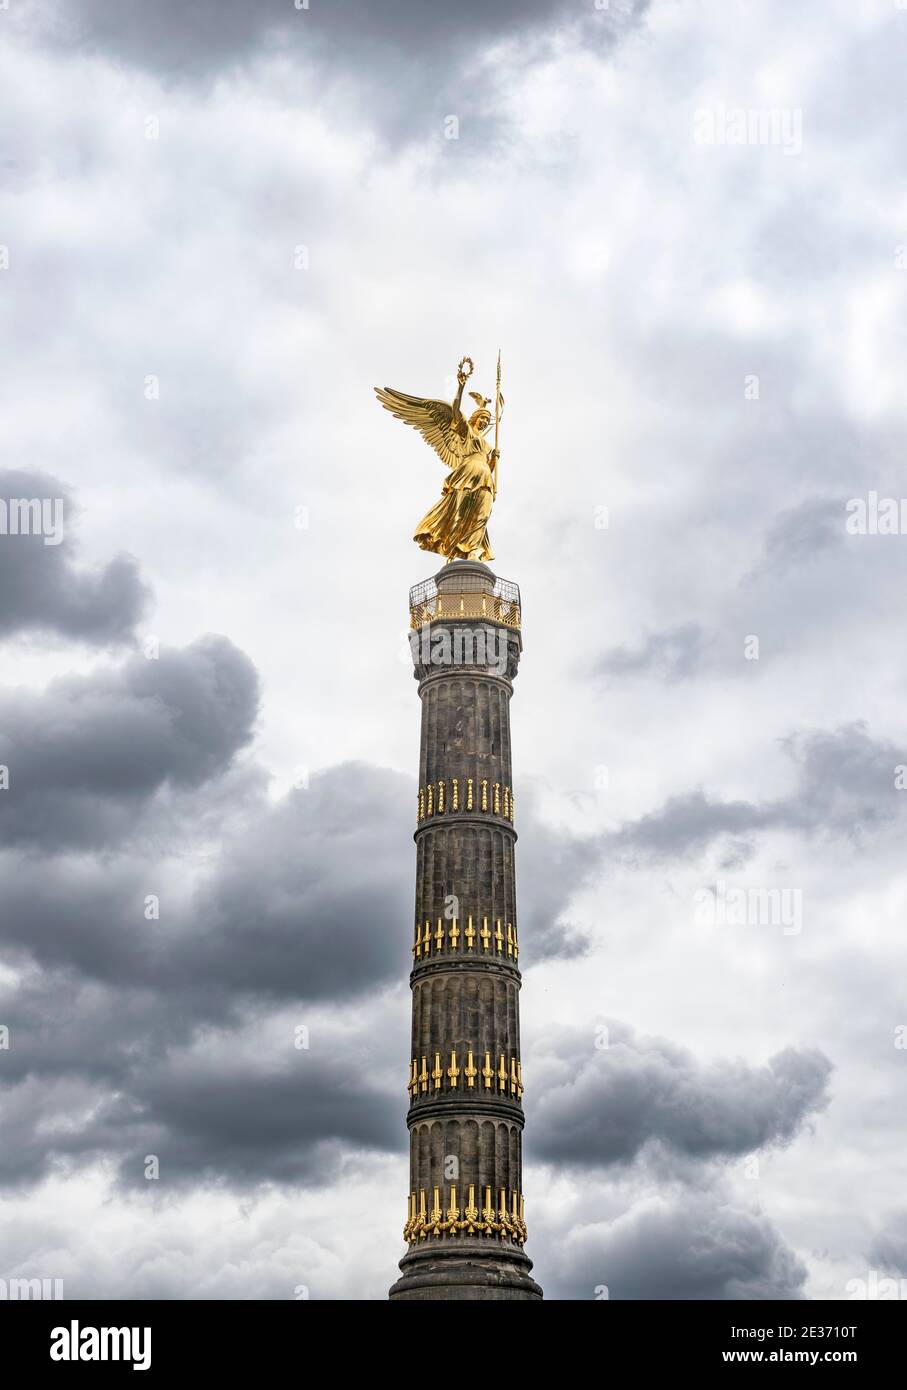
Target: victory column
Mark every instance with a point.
(465, 1214)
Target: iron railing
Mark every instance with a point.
(470, 599)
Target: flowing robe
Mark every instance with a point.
(457, 526)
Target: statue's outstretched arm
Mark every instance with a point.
(456, 405)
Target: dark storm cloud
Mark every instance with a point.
(247, 1106)
(602, 1106)
(155, 1036)
(172, 36)
(309, 903)
(846, 781)
(307, 900)
(80, 914)
(687, 825)
(237, 1123)
(411, 63)
(31, 1110)
(66, 1026)
(314, 900)
(43, 589)
(552, 867)
(694, 1247)
(845, 787)
(87, 754)
(644, 1101)
(227, 1121)
(671, 655)
(309, 897)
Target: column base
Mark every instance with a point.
(468, 1268)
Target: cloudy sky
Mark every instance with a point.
(685, 224)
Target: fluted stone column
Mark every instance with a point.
(465, 1212)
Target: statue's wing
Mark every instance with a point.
(435, 421)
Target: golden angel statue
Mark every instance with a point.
(457, 526)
